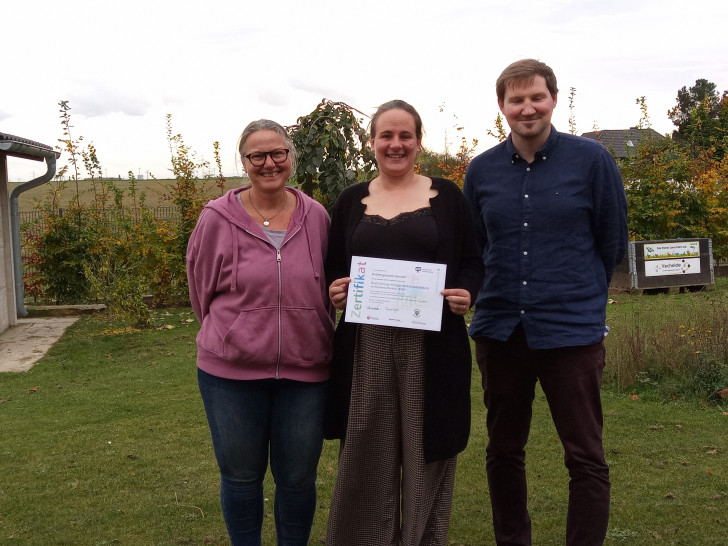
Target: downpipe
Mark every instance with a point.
(50, 159)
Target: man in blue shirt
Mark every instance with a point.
(552, 218)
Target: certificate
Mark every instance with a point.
(395, 293)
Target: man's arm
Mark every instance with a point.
(471, 196)
(611, 233)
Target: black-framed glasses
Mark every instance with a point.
(258, 158)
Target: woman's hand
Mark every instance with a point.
(458, 299)
(338, 292)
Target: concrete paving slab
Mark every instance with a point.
(22, 345)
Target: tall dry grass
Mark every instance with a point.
(676, 345)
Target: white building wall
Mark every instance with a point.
(8, 316)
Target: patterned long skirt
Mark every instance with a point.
(385, 494)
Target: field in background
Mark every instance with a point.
(154, 189)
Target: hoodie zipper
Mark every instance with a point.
(280, 294)
(280, 302)
(280, 326)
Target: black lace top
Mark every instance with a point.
(408, 236)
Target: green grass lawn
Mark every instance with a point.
(105, 441)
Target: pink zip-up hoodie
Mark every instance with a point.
(264, 313)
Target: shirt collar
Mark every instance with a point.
(542, 154)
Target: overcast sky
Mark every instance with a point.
(217, 65)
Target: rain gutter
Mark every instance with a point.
(27, 150)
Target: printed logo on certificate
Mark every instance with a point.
(396, 293)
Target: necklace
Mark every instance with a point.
(266, 222)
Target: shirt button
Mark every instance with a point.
(523, 312)
(526, 196)
(525, 283)
(525, 252)
(525, 224)
(528, 168)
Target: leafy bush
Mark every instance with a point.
(333, 150)
(62, 251)
(711, 379)
(107, 250)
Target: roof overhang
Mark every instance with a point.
(24, 148)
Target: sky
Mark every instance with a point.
(216, 65)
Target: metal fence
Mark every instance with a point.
(33, 219)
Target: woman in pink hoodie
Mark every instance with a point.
(257, 286)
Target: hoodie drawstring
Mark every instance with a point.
(234, 276)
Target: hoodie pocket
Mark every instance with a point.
(305, 338)
(253, 337)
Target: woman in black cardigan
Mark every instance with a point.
(399, 398)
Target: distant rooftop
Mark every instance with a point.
(622, 142)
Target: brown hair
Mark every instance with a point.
(396, 105)
(524, 71)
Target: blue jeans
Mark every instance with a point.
(249, 418)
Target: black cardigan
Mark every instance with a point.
(448, 361)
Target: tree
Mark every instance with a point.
(701, 117)
(500, 131)
(703, 93)
(188, 194)
(652, 194)
(572, 117)
(333, 151)
(674, 193)
(428, 162)
(454, 167)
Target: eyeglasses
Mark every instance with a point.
(258, 158)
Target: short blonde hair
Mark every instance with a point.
(268, 125)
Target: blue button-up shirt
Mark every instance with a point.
(552, 232)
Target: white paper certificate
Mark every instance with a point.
(395, 293)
